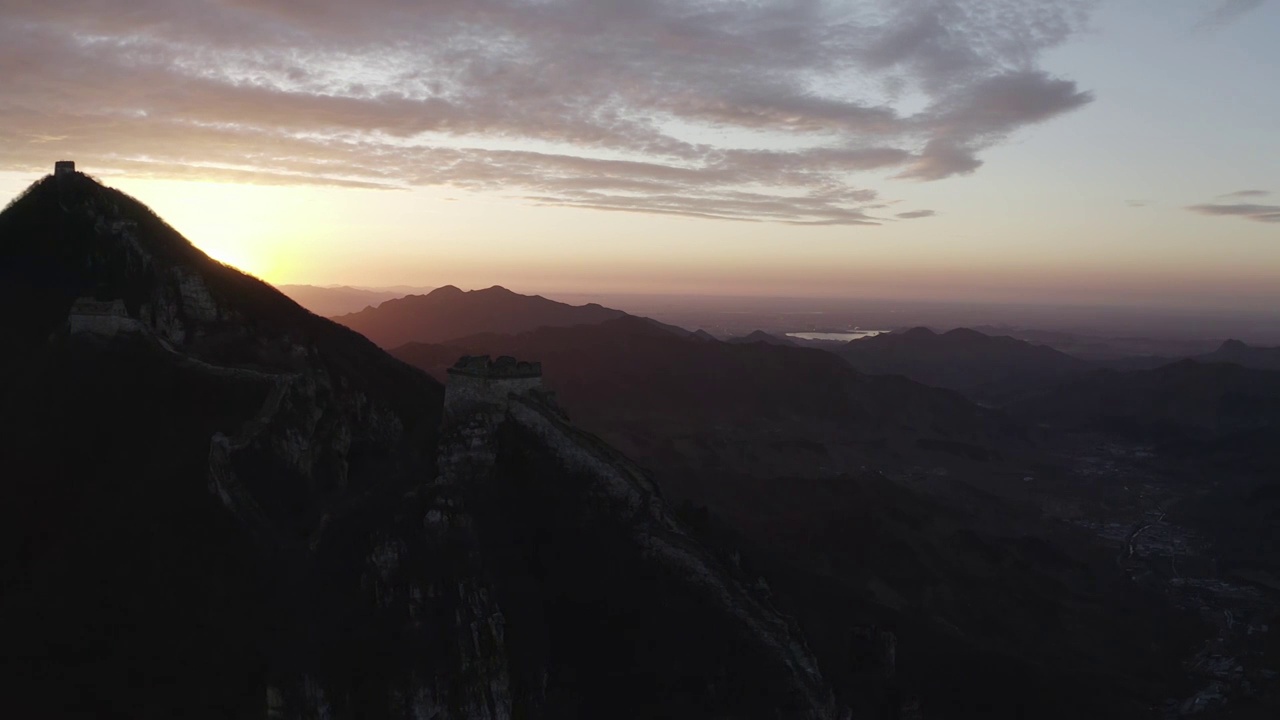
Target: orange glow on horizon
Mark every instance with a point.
(442, 236)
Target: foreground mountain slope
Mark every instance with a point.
(447, 313)
(71, 238)
(978, 365)
(179, 436)
(215, 502)
(613, 609)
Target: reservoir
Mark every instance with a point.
(836, 336)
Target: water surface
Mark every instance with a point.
(836, 336)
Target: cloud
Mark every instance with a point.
(774, 110)
(942, 159)
(1260, 213)
(915, 214)
(1227, 11)
(1246, 194)
(984, 114)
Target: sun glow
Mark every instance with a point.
(262, 230)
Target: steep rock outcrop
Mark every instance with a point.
(613, 607)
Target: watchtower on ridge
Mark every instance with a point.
(477, 382)
(100, 317)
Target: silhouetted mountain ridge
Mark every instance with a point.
(186, 435)
(627, 365)
(760, 336)
(69, 238)
(1195, 401)
(448, 313)
(330, 301)
(1250, 356)
(965, 360)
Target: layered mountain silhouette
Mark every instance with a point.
(216, 502)
(1106, 350)
(612, 372)
(834, 482)
(1187, 407)
(980, 366)
(760, 336)
(1239, 353)
(448, 313)
(1230, 351)
(342, 300)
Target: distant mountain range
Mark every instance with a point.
(614, 371)
(1002, 369)
(978, 365)
(1104, 349)
(341, 300)
(1186, 406)
(789, 453)
(1234, 351)
(760, 336)
(448, 313)
(1230, 351)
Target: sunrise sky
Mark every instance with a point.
(1076, 151)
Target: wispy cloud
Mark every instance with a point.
(912, 215)
(1246, 194)
(775, 110)
(1227, 11)
(1248, 211)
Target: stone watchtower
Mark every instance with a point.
(477, 398)
(478, 385)
(100, 317)
(62, 168)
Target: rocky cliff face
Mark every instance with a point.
(615, 609)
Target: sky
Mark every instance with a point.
(1076, 152)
